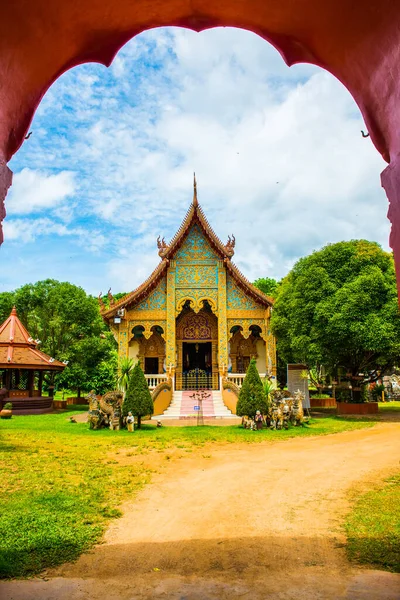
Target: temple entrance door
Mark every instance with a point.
(151, 365)
(197, 365)
(196, 356)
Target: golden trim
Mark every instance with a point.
(241, 313)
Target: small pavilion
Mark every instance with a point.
(22, 367)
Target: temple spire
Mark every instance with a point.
(195, 201)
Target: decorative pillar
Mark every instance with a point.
(214, 351)
(123, 345)
(40, 384)
(270, 347)
(170, 342)
(222, 324)
(31, 381)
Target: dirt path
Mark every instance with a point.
(244, 521)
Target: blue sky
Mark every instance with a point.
(278, 154)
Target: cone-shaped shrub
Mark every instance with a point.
(252, 395)
(138, 398)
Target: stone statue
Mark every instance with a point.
(276, 416)
(95, 415)
(297, 417)
(106, 411)
(130, 422)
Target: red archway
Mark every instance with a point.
(358, 42)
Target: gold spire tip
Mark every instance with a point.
(195, 201)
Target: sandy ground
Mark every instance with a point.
(242, 521)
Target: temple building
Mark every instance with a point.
(196, 320)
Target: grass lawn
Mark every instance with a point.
(373, 527)
(385, 407)
(61, 482)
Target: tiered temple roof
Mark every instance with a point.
(19, 350)
(195, 214)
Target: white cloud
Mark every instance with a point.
(35, 191)
(278, 153)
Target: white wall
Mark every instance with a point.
(133, 350)
(261, 358)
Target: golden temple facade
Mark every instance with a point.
(196, 319)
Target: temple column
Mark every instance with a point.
(270, 347)
(171, 320)
(123, 345)
(222, 323)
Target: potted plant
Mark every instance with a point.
(6, 412)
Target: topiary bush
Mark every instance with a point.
(252, 394)
(138, 398)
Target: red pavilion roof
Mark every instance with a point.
(19, 350)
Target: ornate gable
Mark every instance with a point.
(195, 247)
(236, 297)
(157, 300)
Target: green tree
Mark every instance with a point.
(92, 365)
(6, 304)
(338, 308)
(70, 327)
(252, 394)
(268, 285)
(57, 313)
(138, 398)
(125, 368)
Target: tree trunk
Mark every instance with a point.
(79, 392)
(139, 422)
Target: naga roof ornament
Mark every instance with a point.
(230, 245)
(162, 247)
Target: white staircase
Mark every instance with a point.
(181, 407)
(174, 409)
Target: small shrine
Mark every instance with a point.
(22, 367)
(196, 320)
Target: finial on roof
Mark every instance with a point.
(14, 310)
(195, 201)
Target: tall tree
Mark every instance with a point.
(268, 285)
(138, 398)
(252, 396)
(338, 307)
(70, 327)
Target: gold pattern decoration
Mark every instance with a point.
(243, 313)
(154, 347)
(196, 298)
(156, 299)
(170, 329)
(123, 340)
(241, 349)
(195, 246)
(134, 318)
(197, 276)
(197, 326)
(270, 347)
(222, 323)
(245, 325)
(237, 298)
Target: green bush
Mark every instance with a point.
(252, 394)
(377, 392)
(8, 406)
(138, 398)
